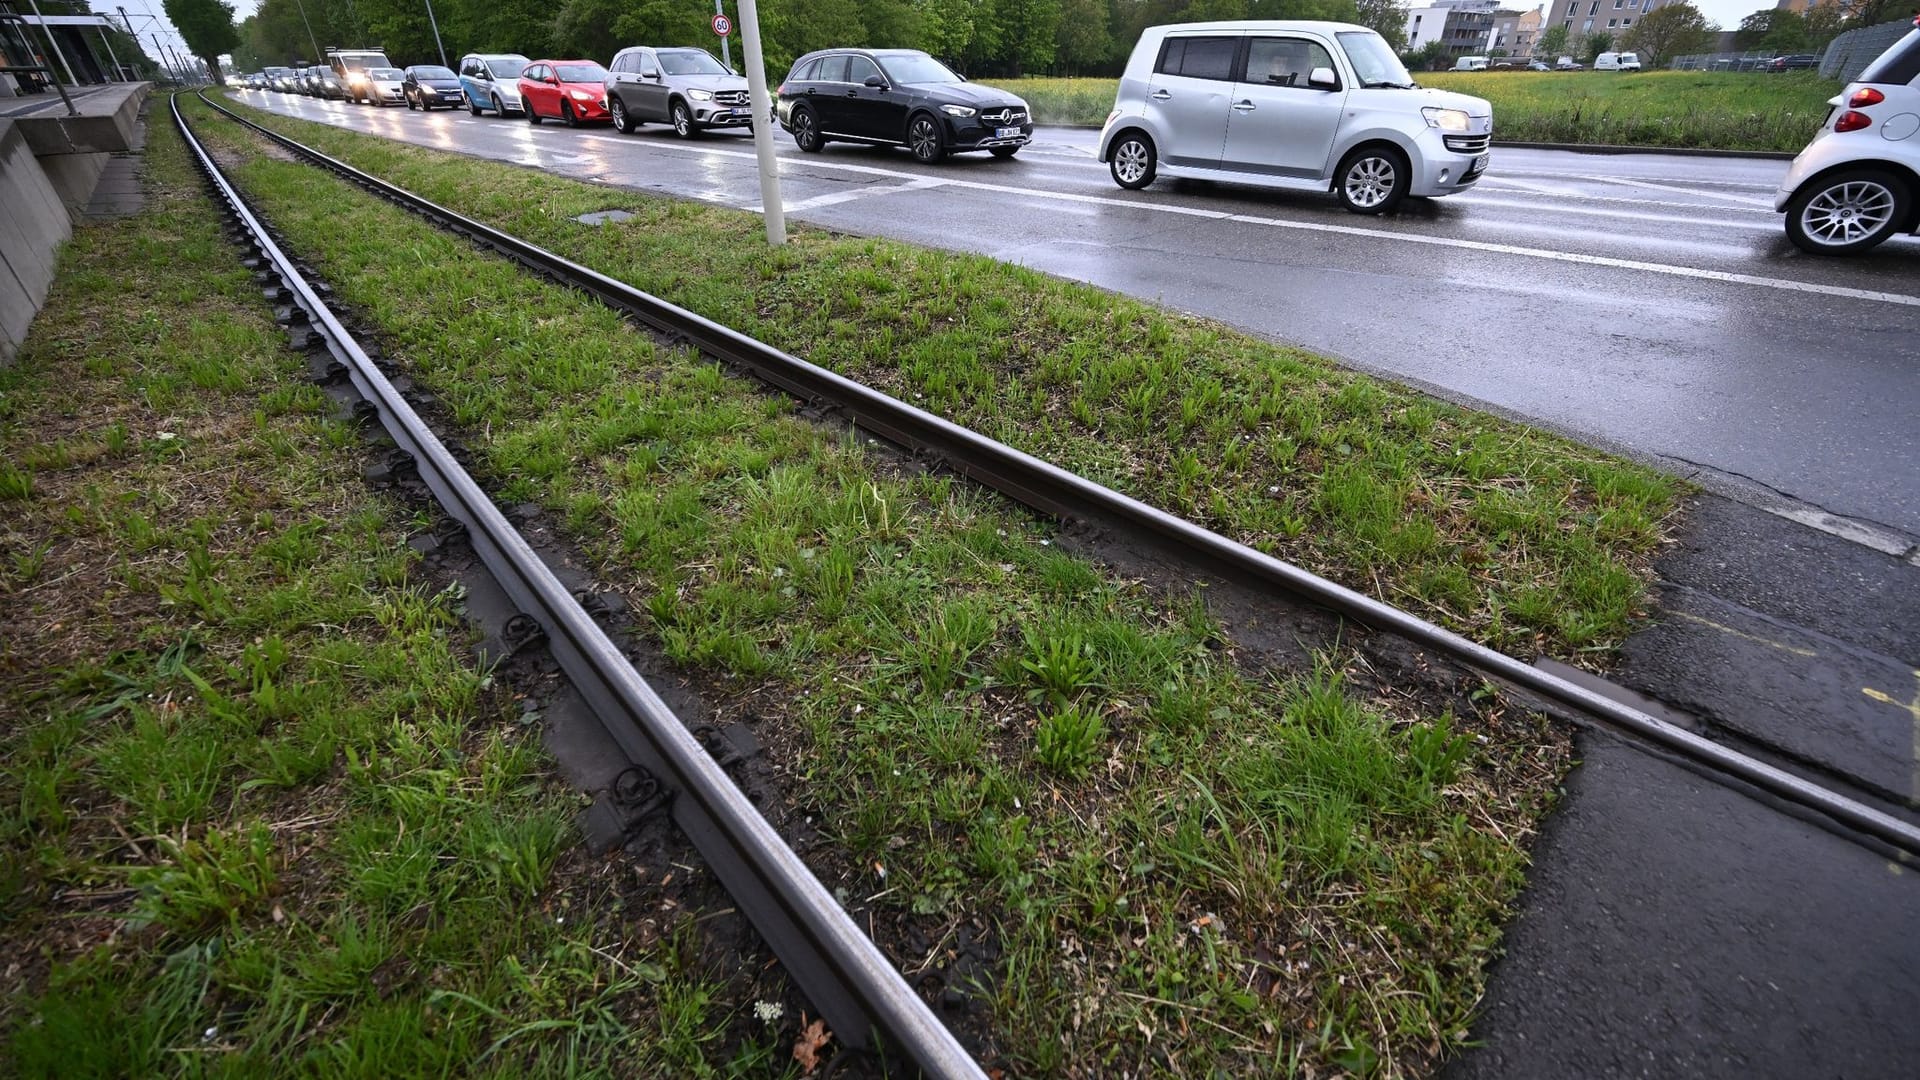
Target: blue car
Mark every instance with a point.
(491, 82)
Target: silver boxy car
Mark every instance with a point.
(1301, 105)
(1858, 182)
(687, 88)
(491, 81)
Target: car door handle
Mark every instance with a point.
(1243, 106)
(1160, 95)
(853, 93)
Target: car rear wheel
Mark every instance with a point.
(1847, 212)
(925, 139)
(622, 120)
(1132, 161)
(1373, 180)
(805, 135)
(683, 125)
(1003, 151)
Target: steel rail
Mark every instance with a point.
(863, 998)
(1055, 491)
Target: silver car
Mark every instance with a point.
(687, 88)
(491, 81)
(1309, 106)
(1855, 183)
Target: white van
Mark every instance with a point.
(1310, 106)
(1617, 61)
(1470, 63)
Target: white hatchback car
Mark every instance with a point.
(1301, 105)
(1855, 183)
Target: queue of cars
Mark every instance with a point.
(1309, 106)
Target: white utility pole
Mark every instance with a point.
(762, 124)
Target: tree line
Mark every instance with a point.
(979, 37)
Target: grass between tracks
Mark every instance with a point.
(1520, 539)
(1190, 859)
(259, 812)
(1710, 110)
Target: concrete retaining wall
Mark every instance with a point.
(34, 222)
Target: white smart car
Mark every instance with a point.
(1303, 105)
(1856, 183)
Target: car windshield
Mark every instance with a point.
(581, 72)
(1373, 60)
(506, 69)
(690, 62)
(279, 72)
(917, 70)
(385, 74)
(432, 73)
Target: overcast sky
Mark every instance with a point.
(1727, 13)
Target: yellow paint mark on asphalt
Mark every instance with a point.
(1912, 709)
(1756, 639)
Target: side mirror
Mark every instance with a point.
(654, 75)
(1323, 78)
(876, 82)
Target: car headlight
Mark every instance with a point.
(1445, 119)
(957, 110)
(581, 95)
(700, 95)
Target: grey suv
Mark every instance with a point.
(687, 88)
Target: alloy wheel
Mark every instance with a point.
(923, 138)
(804, 135)
(682, 121)
(1848, 212)
(1369, 181)
(1132, 162)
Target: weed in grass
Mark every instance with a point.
(15, 482)
(1070, 740)
(207, 882)
(1059, 662)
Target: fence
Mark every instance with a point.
(1851, 52)
(1722, 61)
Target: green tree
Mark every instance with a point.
(1431, 56)
(207, 26)
(1388, 18)
(1084, 39)
(1594, 44)
(1553, 43)
(1667, 32)
(1029, 32)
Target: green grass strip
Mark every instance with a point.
(1173, 857)
(259, 812)
(1695, 109)
(1524, 540)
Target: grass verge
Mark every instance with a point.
(260, 814)
(1129, 841)
(1520, 539)
(1707, 110)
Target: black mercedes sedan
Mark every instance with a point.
(897, 97)
(430, 86)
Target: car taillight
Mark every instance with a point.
(1864, 97)
(1852, 121)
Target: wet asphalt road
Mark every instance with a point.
(1645, 303)
(1672, 926)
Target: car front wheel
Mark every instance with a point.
(1847, 212)
(622, 121)
(1373, 180)
(473, 107)
(1132, 161)
(805, 135)
(532, 117)
(683, 125)
(925, 139)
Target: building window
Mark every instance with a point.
(1587, 27)
(1618, 4)
(1626, 22)
(1611, 23)
(1594, 8)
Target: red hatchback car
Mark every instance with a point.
(570, 90)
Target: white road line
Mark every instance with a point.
(1671, 189)
(834, 198)
(1507, 183)
(1666, 269)
(1484, 197)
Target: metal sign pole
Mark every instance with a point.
(726, 48)
(762, 124)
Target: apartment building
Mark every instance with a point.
(1516, 31)
(1465, 26)
(1582, 17)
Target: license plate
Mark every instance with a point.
(1006, 133)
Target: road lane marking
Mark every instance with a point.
(1913, 709)
(1671, 190)
(836, 197)
(1743, 635)
(1884, 541)
(1479, 199)
(1726, 277)
(1505, 183)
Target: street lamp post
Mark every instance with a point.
(311, 40)
(431, 21)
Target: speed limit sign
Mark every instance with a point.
(722, 25)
